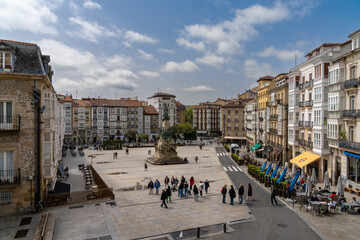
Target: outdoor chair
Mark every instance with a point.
(324, 208)
(335, 209)
(316, 208)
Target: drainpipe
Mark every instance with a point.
(36, 102)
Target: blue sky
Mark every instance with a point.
(198, 50)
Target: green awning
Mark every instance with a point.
(255, 147)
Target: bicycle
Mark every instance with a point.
(32, 208)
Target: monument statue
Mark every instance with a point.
(165, 149)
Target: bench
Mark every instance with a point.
(352, 190)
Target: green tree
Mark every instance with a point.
(131, 135)
(187, 131)
(144, 137)
(189, 115)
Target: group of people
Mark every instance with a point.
(232, 193)
(183, 187)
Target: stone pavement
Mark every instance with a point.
(138, 214)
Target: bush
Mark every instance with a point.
(237, 159)
(112, 144)
(226, 147)
(282, 185)
(273, 181)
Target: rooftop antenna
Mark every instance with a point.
(76, 93)
(295, 59)
(158, 90)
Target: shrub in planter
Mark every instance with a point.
(241, 161)
(273, 181)
(226, 147)
(267, 180)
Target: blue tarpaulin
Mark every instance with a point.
(294, 181)
(281, 176)
(263, 167)
(275, 171)
(268, 169)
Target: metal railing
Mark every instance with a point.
(301, 123)
(301, 104)
(309, 83)
(9, 177)
(352, 83)
(273, 116)
(273, 130)
(308, 124)
(309, 103)
(248, 129)
(301, 86)
(10, 123)
(350, 113)
(261, 119)
(349, 145)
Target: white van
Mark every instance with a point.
(234, 147)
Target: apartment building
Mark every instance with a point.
(100, 120)
(263, 125)
(293, 112)
(278, 111)
(251, 119)
(249, 94)
(158, 100)
(67, 102)
(81, 124)
(232, 122)
(151, 117)
(206, 117)
(180, 113)
(28, 105)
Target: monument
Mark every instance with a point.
(165, 149)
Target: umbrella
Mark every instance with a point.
(340, 188)
(268, 169)
(281, 176)
(308, 186)
(326, 180)
(302, 174)
(293, 182)
(275, 171)
(293, 168)
(263, 167)
(313, 176)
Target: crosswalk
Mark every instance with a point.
(222, 154)
(232, 169)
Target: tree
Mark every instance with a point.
(187, 131)
(144, 137)
(189, 115)
(131, 135)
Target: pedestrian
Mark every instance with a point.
(186, 187)
(196, 193)
(176, 182)
(172, 181)
(192, 182)
(168, 194)
(181, 188)
(250, 192)
(114, 155)
(166, 182)
(196, 159)
(241, 193)
(157, 186)
(145, 167)
(207, 186)
(182, 180)
(149, 152)
(151, 187)
(274, 193)
(232, 194)
(127, 151)
(223, 192)
(201, 187)
(163, 198)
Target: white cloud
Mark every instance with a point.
(211, 60)
(82, 69)
(132, 36)
(91, 31)
(225, 37)
(199, 88)
(254, 69)
(91, 5)
(198, 46)
(283, 55)
(186, 66)
(35, 16)
(164, 50)
(145, 55)
(149, 74)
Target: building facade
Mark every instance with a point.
(251, 119)
(158, 100)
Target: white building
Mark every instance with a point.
(158, 101)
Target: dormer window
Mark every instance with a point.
(5, 61)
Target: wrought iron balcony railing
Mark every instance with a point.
(349, 145)
(9, 123)
(9, 177)
(301, 104)
(301, 123)
(308, 124)
(352, 83)
(350, 113)
(309, 103)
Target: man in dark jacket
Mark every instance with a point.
(232, 194)
(241, 193)
(207, 185)
(163, 198)
(223, 192)
(274, 193)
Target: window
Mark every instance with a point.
(5, 113)
(351, 134)
(354, 169)
(333, 102)
(7, 165)
(353, 72)
(5, 197)
(5, 60)
(318, 94)
(317, 140)
(352, 103)
(333, 130)
(317, 117)
(291, 99)
(334, 76)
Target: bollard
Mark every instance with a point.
(198, 233)
(224, 227)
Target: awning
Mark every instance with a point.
(251, 142)
(236, 138)
(352, 154)
(304, 159)
(255, 147)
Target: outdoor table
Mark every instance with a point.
(313, 203)
(351, 207)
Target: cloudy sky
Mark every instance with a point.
(198, 50)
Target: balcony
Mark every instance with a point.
(9, 123)
(249, 120)
(301, 123)
(352, 83)
(350, 113)
(261, 130)
(261, 119)
(308, 144)
(301, 104)
(309, 103)
(349, 145)
(301, 86)
(273, 116)
(9, 177)
(248, 129)
(308, 124)
(273, 130)
(309, 83)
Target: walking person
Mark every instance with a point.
(145, 167)
(151, 187)
(181, 189)
(166, 181)
(232, 194)
(241, 193)
(274, 193)
(201, 187)
(250, 192)
(157, 186)
(207, 186)
(168, 194)
(176, 182)
(192, 182)
(196, 159)
(149, 152)
(223, 192)
(196, 193)
(163, 198)
(186, 187)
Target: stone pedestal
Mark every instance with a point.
(165, 153)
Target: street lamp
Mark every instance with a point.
(92, 156)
